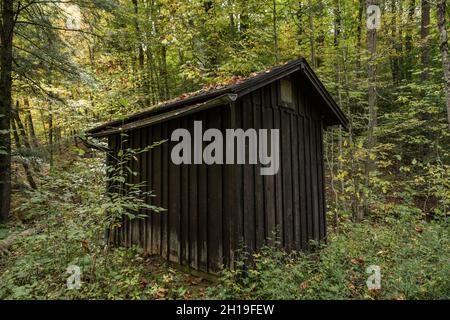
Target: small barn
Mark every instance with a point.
(215, 209)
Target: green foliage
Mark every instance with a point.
(68, 220)
(127, 199)
(413, 256)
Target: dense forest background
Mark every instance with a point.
(69, 65)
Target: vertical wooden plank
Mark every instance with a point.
(174, 199)
(287, 179)
(248, 176)
(157, 188)
(142, 177)
(258, 178)
(278, 178)
(322, 204)
(134, 223)
(149, 188)
(269, 180)
(203, 209)
(227, 197)
(122, 232)
(314, 179)
(185, 203)
(214, 221)
(165, 192)
(295, 182)
(137, 179)
(110, 233)
(239, 183)
(308, 183)
(232, 204)
(129, 224)
(302, 183)
(193, 207)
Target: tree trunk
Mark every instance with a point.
(20, 127)
(358, 37)
(163, 73)
(50, 137)
(372, 102)
(395, 56)
(355, 206)
(30, 124)
(337, 35)
(152, 84)
(243, 20)
(141, 75)
(138, 34)
(7, 26)
(409, 61)
(22, 132)
(311, 34)
(231, 15)
(443, 44)
(25, 166)
(275, 35)
(424, 33)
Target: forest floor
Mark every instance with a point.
(64, 222)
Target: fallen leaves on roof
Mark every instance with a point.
(234, 80)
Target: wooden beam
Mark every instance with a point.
(221, 100)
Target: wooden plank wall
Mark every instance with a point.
(195, 230)
(214, 209)
(290, 206)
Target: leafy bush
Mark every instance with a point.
(413, 256)
(69, 224)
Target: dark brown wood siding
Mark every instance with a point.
(214, 209)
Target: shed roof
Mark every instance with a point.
(220, 94)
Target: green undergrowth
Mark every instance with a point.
(66, 215)
(413, 256)
(66, 220)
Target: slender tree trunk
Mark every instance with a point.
(30, 124)
(409, 62)
(337, 35)
(163, 73)
(44, 125)
(358, 37)
(353, 172)
(424, 33)
(20, 127)
(50, 137)
(138, 34)
(230, 6)
(7, 27)
(372, 102)
(153, 85)
(244, 19)
(336, 42)
(25, 166)
(141, 74)
(299, 14)
(311, 34)
(395, 56)
(443, 44)
(275, 35)
(22, 132)
(330, 162)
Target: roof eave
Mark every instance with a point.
(172, 114)
(328, 99)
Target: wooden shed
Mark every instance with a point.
(213, 210)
